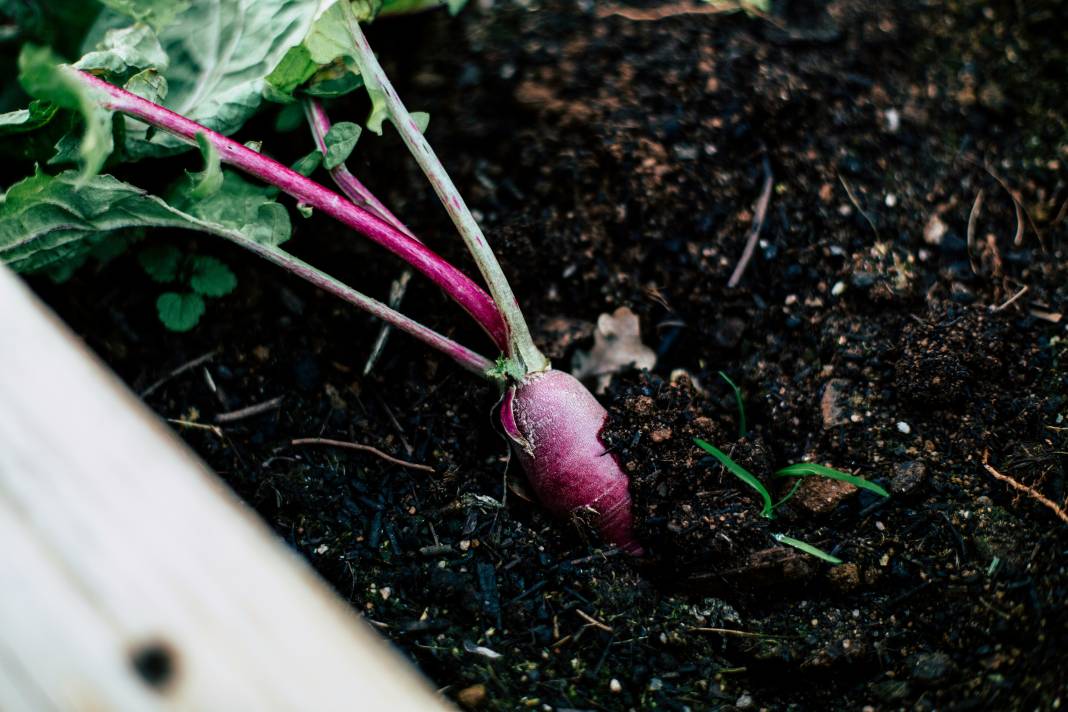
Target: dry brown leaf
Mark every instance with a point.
(617, 345)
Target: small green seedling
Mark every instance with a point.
(807, 548)
(204, 276)
(798, 470)
(738, 400)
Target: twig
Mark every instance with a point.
(178, 371)
(362, 448)
(1011, 300)
(593, 621)
(198, 426)
(1029, 491)
(741, 633)
(250, 411)
(671, 10)
(1021, 211)
(973, 218)
(856, 204)
(754, 230)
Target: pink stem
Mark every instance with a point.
(349, 184)
(465, 357)
(452, 281)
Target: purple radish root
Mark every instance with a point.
(555, 425)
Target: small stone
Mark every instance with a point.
(744, 702)
(845, 577)
(659, 436)
(385, 592)
(472, 697)
(903, 427)
(832, 403)
(819, 495)
(907, 476)
(890, 200)
(615, 686)
(838, 289)
(893, 120)
(934, 230)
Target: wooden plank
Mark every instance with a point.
(131, 578)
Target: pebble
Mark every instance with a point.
(891, 200)
(473, 696)
(833, 402)
(934, 230)
(818, 495)
(907, 476)
(903, 427)
(893, 120)
(838, 289)
(744, 702)
(615, 686)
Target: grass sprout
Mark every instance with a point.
(807, 469)
(743, 474)
(807, 548)
(798, 470)
(738, 399)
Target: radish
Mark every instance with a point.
(553, 421)
(555, 425)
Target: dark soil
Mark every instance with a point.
(616, 162)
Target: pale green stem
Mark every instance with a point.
(521, 346)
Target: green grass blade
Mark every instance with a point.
(738, 399)
(741, 473)
(807, 548)
(805, 469)
(789, 494)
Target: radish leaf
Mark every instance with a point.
(340, 140)
(220, 52)
(45, 220)
(43, 78)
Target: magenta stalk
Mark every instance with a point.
(521, 347)
(349, 184)
(472, 298)
(465, 357)
(358, 193)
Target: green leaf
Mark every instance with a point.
(157, 13)
(328, 39)
(148, 84)
(807, 548)
(340, 140)
(221, 52)
(404, 7)
(124, 52)
(421, 119)
(295, 68)
(180, 311)
(249, 208)
(161, 262)
(334, 80)
(43, 78)
(45, 220)
(806, 469)
(307, 165)
(211, 277)
(37, 115)
(768, 512)
(738, 400)
(208, 181)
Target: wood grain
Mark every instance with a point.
(132, 579)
